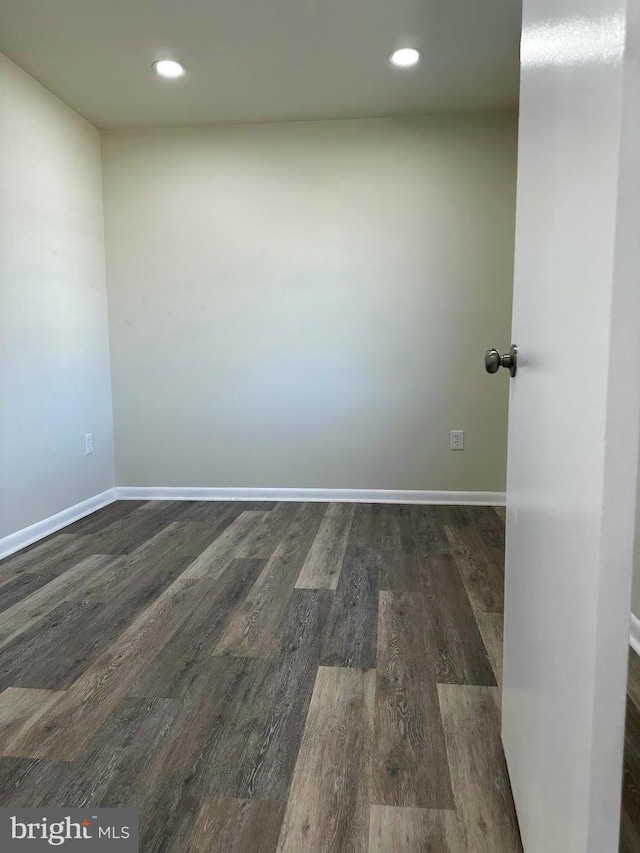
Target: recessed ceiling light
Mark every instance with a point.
(405, 57)
(169, 68)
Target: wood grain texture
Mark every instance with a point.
(180, 672)
(321, 569)
(633, 678)
(45, 561)
(264, 539)
(410, 760)
(454, 638)
(179, 663)
(217, 515)
(171, 792)
(483, 578)
(28, 612)
(630, 812)
(329, 803)
(411, 830)
(453, 516)
(168, 552)
(491, 627)
(53, 652)
(479, 776)
(424, 526)
(629, 835)
(351, 635)
(64, 729)
(237, 826)
(104, 517)
(212, 562)
(631, 768)
(253, 629)
(256, 754)
(364, 526)
(399, 568)
(126, 534)
(489, 523)
(110, 772)
(20, 707)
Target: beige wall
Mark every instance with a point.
(54, 356)
(308, 304)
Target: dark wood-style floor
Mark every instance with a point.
(261, 677)
(630, 820)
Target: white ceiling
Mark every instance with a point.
(265, 60)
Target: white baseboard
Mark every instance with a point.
(634, 633)
(178, 493)
(21, 538)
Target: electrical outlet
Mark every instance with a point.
(457, 439)
(88, 443)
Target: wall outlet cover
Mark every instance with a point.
(457, 439)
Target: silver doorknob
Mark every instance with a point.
(493, 361)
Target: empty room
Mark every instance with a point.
(319, 426)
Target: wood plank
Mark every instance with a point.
(238, 729)
(61, 645)
(321, 569)
(408, 830)
(489, 523)
(173, 671)
(483, 578)
(328, 807)
(26, 613)
(491, 627)
(478, 770)
(156, 505)
(13, 773)
(256, 753)
(127, 534)
(410, 765)
(18, 589)
(232, 729)
(364, 527)
(48, 559)
(111, 772)
(103, 517)
(54, 651)
(399, 568)
(424, 527)
(215, 512)
(631, 771)
(254, 627)
(266, 537)
(633, 677)
(237, 826)
(452, 631)
(351, 635)
(172, 791)
(214, 560)
(218, 513)
(629, 835)
(19, 707)
(149, 569)
(62, 732)
(453, 516)
(501, 512)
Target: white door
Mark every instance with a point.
(574, 421)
